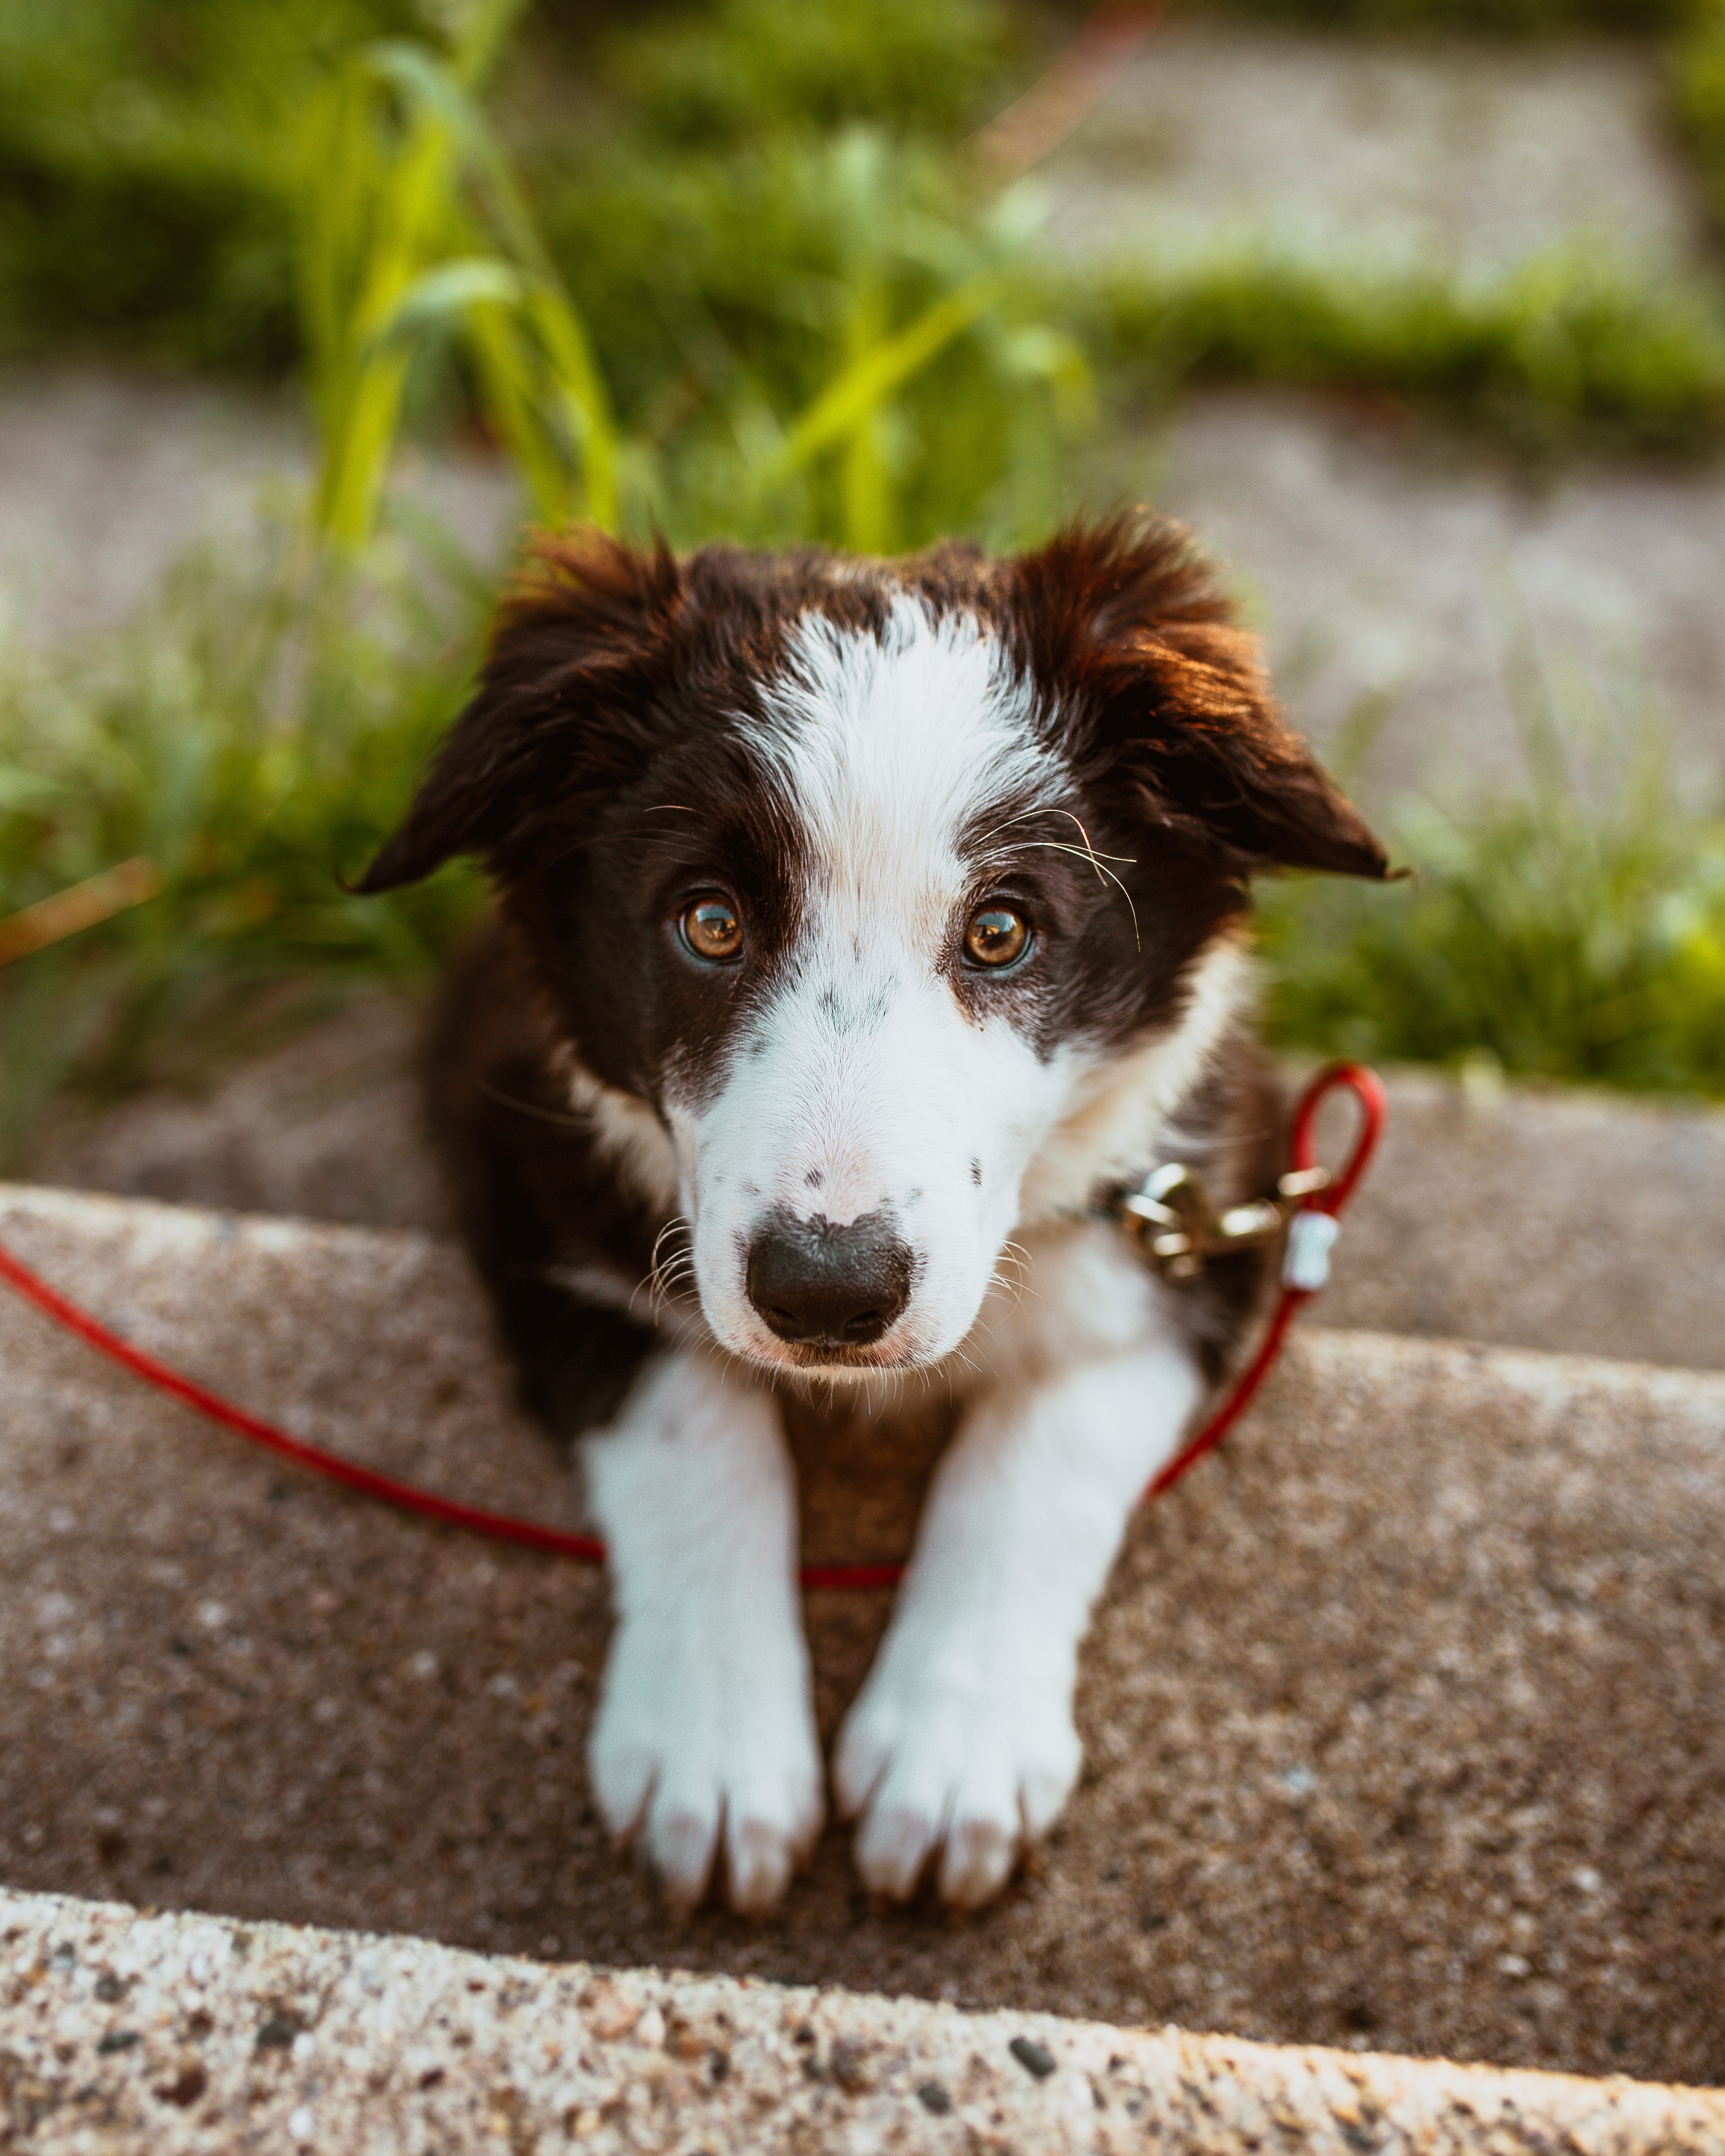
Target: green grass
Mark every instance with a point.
(816, 326)
(1573, 930)
(682, 174)
(145, 169)
(252, 734)
(1564, 352)
(719, 76)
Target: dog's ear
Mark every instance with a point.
(1168, 697)
(575, 652)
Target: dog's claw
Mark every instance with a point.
(972, 1780)
(734, 1772)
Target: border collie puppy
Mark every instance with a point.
(864, 927)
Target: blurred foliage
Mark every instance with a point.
(1563, 350)
(754, 289)
(1697, 69)
(250, 735)
(695, 179)
(412, 228)
(146, 166)
(718, 78)
(1573, 930)
(782, 269)
(1484, 18)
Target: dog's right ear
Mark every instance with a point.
(576, 650)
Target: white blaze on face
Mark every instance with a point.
(862, 1086)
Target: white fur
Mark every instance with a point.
(1120, 1107)
(705, 1727)
(628, 1134)
(962, 1741)
(865, 1085)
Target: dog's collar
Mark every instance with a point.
(1177, 1230)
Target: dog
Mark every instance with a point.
(863, 926)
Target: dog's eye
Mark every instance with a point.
(995, 935)
(711, 930)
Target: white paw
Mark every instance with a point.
(975, 1763)
(698, 1743)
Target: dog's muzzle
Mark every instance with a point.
(824, 1286)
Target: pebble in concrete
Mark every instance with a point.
(125, 2034)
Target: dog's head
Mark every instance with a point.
(898, 893)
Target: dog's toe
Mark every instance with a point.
(893, 1844)
(623, 1774)
(691, 1764)
(979, 1855)
(970, 1775)
(682, 1835)
(758, 1861)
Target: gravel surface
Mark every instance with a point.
(1384, 563)
(1377, 153)
(1401, 1718)
(133, 2034)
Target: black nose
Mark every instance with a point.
(828, 1287)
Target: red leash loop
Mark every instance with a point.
(1363, 1083)
(1368, 1089)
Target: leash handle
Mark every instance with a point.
(1363, 1083)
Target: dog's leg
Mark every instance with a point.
(962, 1736)
(706, 1726)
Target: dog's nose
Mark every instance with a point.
(828, 1287)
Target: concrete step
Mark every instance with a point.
(147, 2035)
(1401, 1716)
(1576, 1222)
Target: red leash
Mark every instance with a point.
(1326, 1203)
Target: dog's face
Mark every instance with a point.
(865, 877)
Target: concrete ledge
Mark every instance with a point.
(1402, 1716)
(126, 2032)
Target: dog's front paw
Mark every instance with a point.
(974, 1762)
(693, 1744)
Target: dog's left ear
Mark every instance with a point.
(575, 654)
(1170, 695)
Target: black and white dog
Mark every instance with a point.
(863, 924)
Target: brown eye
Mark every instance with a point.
(711, 930)
(996, 936)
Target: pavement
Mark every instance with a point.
(181, 2035)
(1471, 155)
(1401, 1717)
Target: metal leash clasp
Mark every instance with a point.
(1177, 1230)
